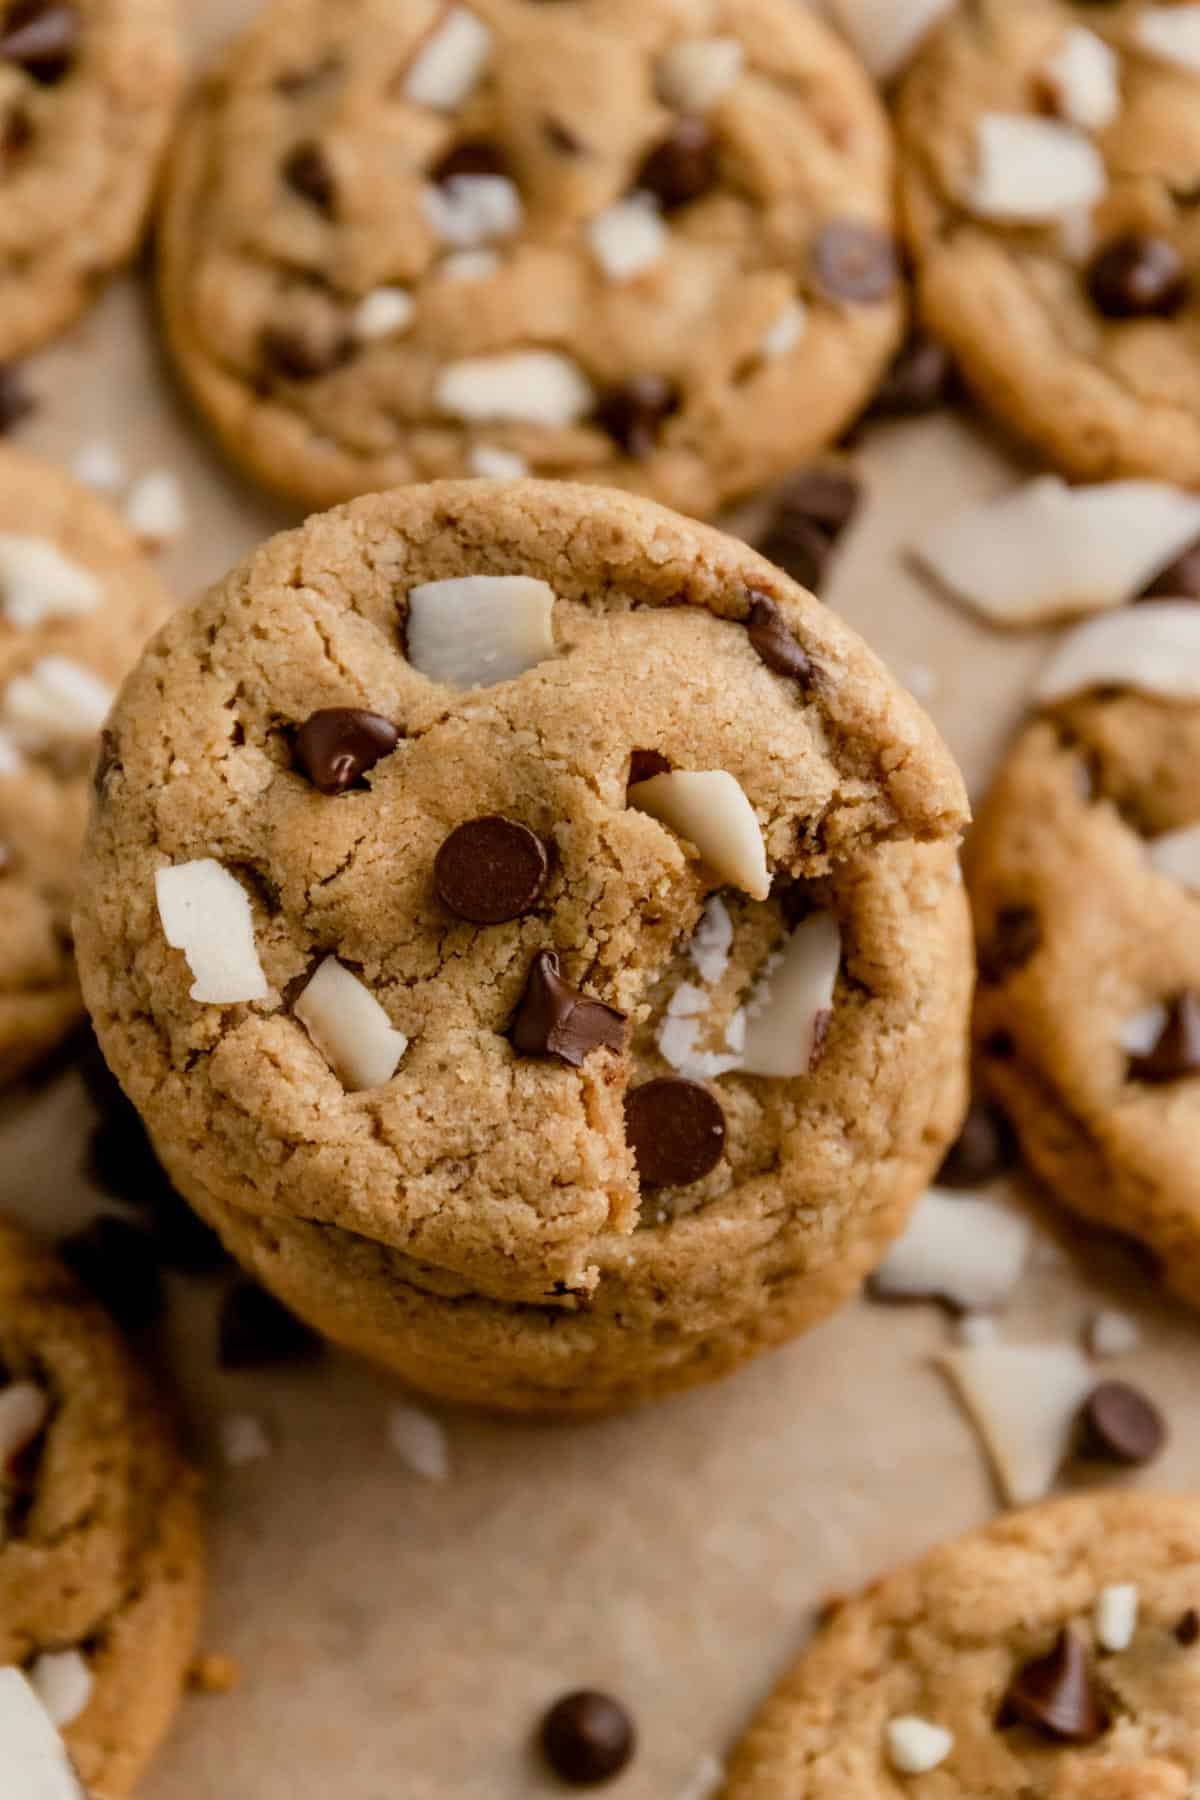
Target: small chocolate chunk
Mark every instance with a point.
(644, 765)
(1119, 1424)
(587, 1738)
(16, 402)
(1058, 1695)
(119, 1264)
(41, 38)
(472, 156)
(1016, 937)
(683, 167)
(336, 746)
(808, 517)
(490, 870)
(1180, 580)
(302, 356)
(985, 1148)
(555, 1019)
(634, 412)
(855, 261)
(922, 379)
(676, 1130)
(308, 173)
(798, 547)
(1187, 1632)
(1138, 277)
(256, 1331)
(1176, 1055)
(772, 638)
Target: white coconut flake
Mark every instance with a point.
(1153, 649)
(58, 699)
(1142, 1030)
(1116, 1616)
(1024, 1400)
(1112, 1333)
(705, 1781)
(1084, 79)
(694, 75)
(1031, 170)
(468, 211)
(684, 1023)
(491, 463)
(970, 1251)
(712, 941)
(975, 1329)
(477, 630)
(205, 912)
(244, 1439)
(37, 583)
(628, 238)
(156, 509)
(11, 760)
(788, 330)
(1176, 854)
(383, 313)
(420, 1441)
(1170, 33)
(100, 465)
(24, 1410)
(63, 1683)
(710, 810)
(34, 1764)
(469, 265)
(350, 1028)
(531, 387)
(886, 33)
(789, 1009)
(451, 62)
(915, 1746)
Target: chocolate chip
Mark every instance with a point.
(644, 765)
(16, 402)
(473, 156)
(772, 638)
(40, 38)
(1187, 1632)
(922, 379)
(634, 412)
(119, 1264)
(308, 173)
(490, 870)
(1180, 580)
(555, 1019)
(1118, 1424)
(302, 356)
(561, 138)
(336, 746)
(676, 1130)
(256, 1331)
(587, 1738)
(855, 261)
(683, 167)
(1177, 1052)
(1056, 1694)
(808, 517)
(1138, 277)
(984, 1148)
(1016, 937)
(16, 134)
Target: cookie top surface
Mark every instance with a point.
(87, 95)
(646, 242)
(1050, 158)
(78, 599)
(490, 1139)
(950, 1642)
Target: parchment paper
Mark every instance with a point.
(399, 1638)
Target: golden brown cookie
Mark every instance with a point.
(1053, 1654)
(645, 242)
(100, 1552)
(78, 598)
(415, 970)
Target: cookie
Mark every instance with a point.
(1084, 892)
(78, 598)
(100, 1552)
(643, 242)
(467, 1053)
(1054, 1653)
(1050, 160)
(87, 94)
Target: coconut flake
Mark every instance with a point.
(37, 582)
(886, 33)
(57, 699)
(1176, 854)
(978, 1328)
(1171, 33)
(788, 1011)
(420, 1441)
(1032, 170)
(915, 1746)
(710, 809)
(1139, 1034)
(1116, 1616)
(712, 941)
(469, 265)
(628, 237)
(205, 912)
(383, 313)
(1112, 1333)
(531, 387)
(1083, 78)
(156, 509)
(966, 1250)
(63, 1683)
(1024, 1400)
(469, 211)
(1154, 649)
(33, 1761)
(350, 1028)
(491, 463)
(450, 63)
(694, 75)
(684, 1023)
(705, 1781)
(24, 1410)
(477, 630)
(781, 338)
(99, 465)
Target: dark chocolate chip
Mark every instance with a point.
(683, 167)
(1058, 1695)
(1176, 1055)
(1187, 1632)
(256, 1331)
(798, 547)
(1138, 277)
(587, 1738)
(555, 1019)
(772, 638)
(1180, 580)
(561, 138)
(676, 1129)
(336, 746)
(644, 765)
(1118, 1424)
(473, 156)
(855, 261)
(308, 172)
(303, 356)
(1016, 937)
(490, 870)
(16, 134)
(984, 1148)
(922, 379)
(808, 517)
(634, 412)
(120, 1265)
(16, 402)
(41, 38)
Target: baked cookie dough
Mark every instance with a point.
(1055, 1653)
(1083, 873)
(467, 1053)
(645, 242)
(100, 1551)
(1050, 171)
(87, 93)
(78, 599)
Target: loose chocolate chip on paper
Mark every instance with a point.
(772, 638)
(1119, 1424)
(491, 869)
(855, 261)
(683, 167)
(472, 156)
(1176, 1055)
(256, 1331)
(336, 746)
(1180, 580)
(41, 38)
(587, 1738)
(119, 1264)
(984, 1149)
(1138, 277)
(555, 1019)
(676, 1130)
(16, 402)
(1057, 1694)
(807, 518)
(308, 172)
(922, 379)
(1016, 938)
(1187, 1632)
(634, 412)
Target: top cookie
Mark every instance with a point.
(421, 941)
(1050, 169)
(642, 241)
(87, 93)
(1054, 1654)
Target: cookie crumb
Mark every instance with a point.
(420, 1442)
(214, 1673)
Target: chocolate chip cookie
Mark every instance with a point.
(87, 94)
(528, 925)
(100, 1553)
(78, 599)
(1050, 176)
(645, 242)
(1055, 1653)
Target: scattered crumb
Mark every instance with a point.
(420, 1442)
(214, 1674)
(244, 1439)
